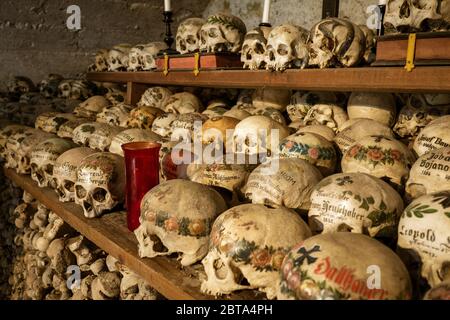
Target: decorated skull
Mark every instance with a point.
(287, 48)
(134, 60)
(311, 147)
(20, 85)
(101, 60)
(434, 136)
(117, 115)
(222, 33)
(187, 125)
(13, 147)
(336, 42)
(329, 115)
(81, 135)
(429, 174)
(100, 184)
(65, 172)
(80, 89)
(247, 246)
(382, 157)
(217, 130)
(131, 135)
(156, 97)
(49, 87)
(188, 35)
(272, 113)
(118, 57)
(289, 185)
(67, 128)
(183, 102)
(102, 137)
(254, 48)
(116, 96)
(64, 89)
(162, 124)
(237, 113)
(376, 106)
(301, 102)
(43, 158)
(271, 98)
(52, 121)
(143, 117)
(149, 53)
(91, 107)
(315, 268)
(423, 239)
(176, 216)
(6, 132)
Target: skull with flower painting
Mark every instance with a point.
(247, 245)
(343, 266)
(434, 136)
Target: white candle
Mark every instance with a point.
(167, 5)
(382, 2)
(266, 11)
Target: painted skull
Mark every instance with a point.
(117, 115)
(434, 136)
(101, 60)
(66, 129)
(91, 107)
(118, 57)
(131, 135)
(102, 137)
(271, 98)
(149, 53)
(162, 124)
(183, 102)
(143, 117)
(217, 130)
(52, 121)
(188, 35)
(23, 152)
(156, 97)
(254, 48)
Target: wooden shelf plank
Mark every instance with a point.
(383, 79)
(111, 235)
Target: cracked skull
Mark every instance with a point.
(188, 35)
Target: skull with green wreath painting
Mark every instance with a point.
(434, 136)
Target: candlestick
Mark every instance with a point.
(382, 10)
(266, 11)
(168, 39)
(167, 6)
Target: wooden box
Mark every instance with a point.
(206, 61)
(431, 48)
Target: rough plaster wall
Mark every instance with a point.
(35, 41)
(301, 12)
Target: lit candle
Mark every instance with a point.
(265, 18)
(167, 5)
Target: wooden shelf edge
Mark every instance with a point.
(109, 233)
(377, 79)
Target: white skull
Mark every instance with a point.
(134, 58)
(91, 107)
(65, 172)
(162, 124)
(301, 102)
(248, 244)
(319, 129)
(423, 235)
(131, 135)
(271, 98)
(101, 138)
(52, 121)
(336, 42)
(419, 111)
(183, 102)
(81, 135)
(286, 48)
(258, 135)
(434, 136)
(143, 117)
(149, 53)
(66, 129)
(43, 158)
(338, 266)
(355, 202)
(289, 185)
(379, 156)
(100, 183)
(156, 97)
(118, 57)
(101, 60)
(176, 216)
(117, 115)
(376, 106)
(188, 35)
(329, 115)
(222, 33)
(408, 16)
(254, 48)
(310, 147)
(359, 129)
(430, 173)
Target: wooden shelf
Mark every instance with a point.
(111, 235)
(383, 79)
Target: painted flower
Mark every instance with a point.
(289, 144)
(313, 153)
(260, 257)
(197, 227)
(396, 155)
(287, 267)
(171, 224)
(293, 281)
(375, 154)
(354, 151)
(277, 260)
(308, 290)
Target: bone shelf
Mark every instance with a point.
(111, 235)
(378, 79)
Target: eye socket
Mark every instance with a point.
(259, 49)
(99, 194)
(282, 50)
(69, 185)
(191, 40)
(213, 33)
(49, 169)
(80, 192)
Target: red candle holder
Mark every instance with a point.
(142, 173)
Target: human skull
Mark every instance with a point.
(156, 97)
(118, 57)
(217, 130)
(143, 117)
(134, 62)
(213, 112)
(149, 53)
(355, 202)
(91, 107)
(65, 172)
(131, 135)
(187, 125)
(430, 173)
(329, 115)
(371, 41)
(102, 137)
(336, 42)
(320, 130)
(116, 96)
(222, 33)
(434, 136)
(81, 135)
(249, 242)
(316, 268)
(20, 85)
(117, 115)
(66, 129)
(282, 183)
(101, 60)
(254, 48)
(100, 183)
(43, 158)
(188, 35)
(419, 111)
(183, 102)
(370, 105)
(423, 237)
(287, 48)
(258, 135)
(52, 121)
(311, 147)
(301, 102)
(359, 129)
(49, 87)
(177, 215)
(162, 124)
(271, 98)
(64, 89)
(80, 89)
(379, 156)
(13, 146)
(6, 132)
(407, 16)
